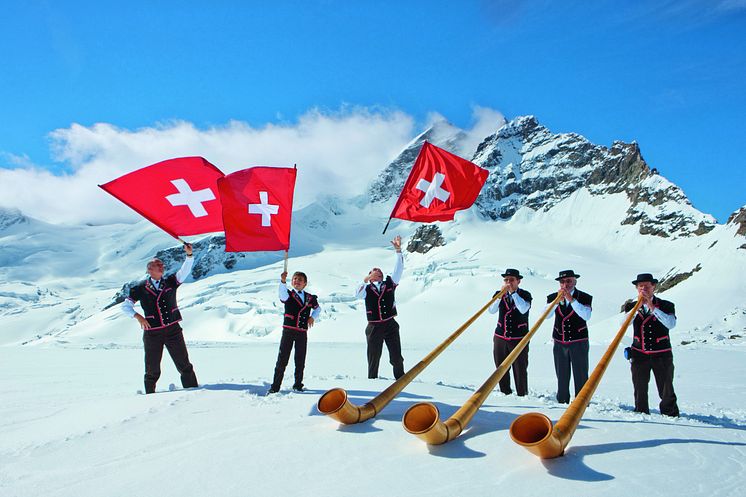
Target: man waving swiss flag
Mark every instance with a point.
(440, 184)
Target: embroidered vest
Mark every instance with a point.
(511, 324)
(380, 304)
(159, 306)
(568, 326)
(297, 312)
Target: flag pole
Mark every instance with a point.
(285, 269)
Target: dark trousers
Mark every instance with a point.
(290, 337)
(378, 333)
(173, 339)
(570, 356)
(500, 350)
(662, 367)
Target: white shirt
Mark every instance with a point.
(667, 320)
(520, 304)
(284, 293)
(395, 276)
(128, 307)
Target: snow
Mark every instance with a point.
(73, 423)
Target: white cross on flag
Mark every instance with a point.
(440, 184)
(257, 208)
(180, 196)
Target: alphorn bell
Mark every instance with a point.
(534, 430)
(423, 418)
(335, 403)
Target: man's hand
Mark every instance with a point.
(143, 322)
(188, 249)
(310, 322)
(566, 295)
(367, 278)
(284, 276)
(396, 242)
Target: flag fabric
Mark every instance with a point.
(180, 196)
(439, 184)
(257, 208)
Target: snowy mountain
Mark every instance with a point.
(575, 204)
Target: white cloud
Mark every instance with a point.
(336, 152)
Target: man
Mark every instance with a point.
(301, 311)
(160, 325)
(651, 347)
(512, 326)
(380, 309)
(570, 335)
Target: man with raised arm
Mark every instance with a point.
(570, 335)
(651, 347)
(512, 326)
(380, 309)
(160, 323)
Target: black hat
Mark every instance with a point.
(512, 272)
(567, 273)
(643, 277)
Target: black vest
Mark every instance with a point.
(568, 326)
(511, 324)
(380, 306)
(650, 336)
(297, 312)
(159, 306)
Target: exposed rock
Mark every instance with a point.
(671, 280)
(425, 238)
(532, 167)
(738, 218)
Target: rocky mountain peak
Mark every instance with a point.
(391, 180)
(738, 219)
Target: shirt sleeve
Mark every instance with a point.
(584, 311)
(398, 268)
(128, 307)
(282, 292)
(315, 312)
(667, 320)
(360, 292)
(520, 304)
(494, 307)
(186, 268)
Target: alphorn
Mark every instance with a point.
(334, 403)
(423, 418)
(534, 430)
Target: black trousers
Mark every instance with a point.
(500, 350)
(290, 337)
(570, 356)
(173, 339)
(377, 334)
(662, 367)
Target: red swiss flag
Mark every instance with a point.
(257, 208)
(178, 195)
(439, 185)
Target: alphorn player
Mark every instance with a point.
(160, 324)
(512, 326)
(380, 310)
(651, 347)
(570, 335)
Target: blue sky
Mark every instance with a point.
(670, 75)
